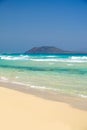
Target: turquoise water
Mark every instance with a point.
(61, 73)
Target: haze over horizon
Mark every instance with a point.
(28, 23)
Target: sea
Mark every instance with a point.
(62, 73)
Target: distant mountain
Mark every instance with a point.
(45, 50)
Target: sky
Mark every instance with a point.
(32, 23)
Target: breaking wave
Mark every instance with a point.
(46, 58)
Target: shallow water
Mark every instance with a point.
(61, 73)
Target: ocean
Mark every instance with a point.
(62, 73)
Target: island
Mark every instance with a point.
(45, 50)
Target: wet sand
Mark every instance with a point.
(22, 111)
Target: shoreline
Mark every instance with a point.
(20, 111)
(75, 102)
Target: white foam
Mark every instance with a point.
(82, 96)
(51, 56)
(44, 88)
(38, 87)
(21, 57)
(19, 83)
(79, 57)
(17, 77)
(3, 79)
(44, 60)
(70, 59)
(59, 60)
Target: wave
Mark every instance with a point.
(46, 58)
(82, 96)
(46, 69)
(3, 79)
(27, 86)
(51, 56)
(79, 58)
(20, 57)
(68, 59)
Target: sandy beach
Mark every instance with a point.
(21, 111)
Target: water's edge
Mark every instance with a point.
(76, 102)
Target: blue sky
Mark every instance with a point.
(28, 23)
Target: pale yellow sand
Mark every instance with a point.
(19, 111)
